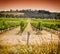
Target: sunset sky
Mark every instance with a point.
(50, 5)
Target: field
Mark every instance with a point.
(13, 13)
(29, 36)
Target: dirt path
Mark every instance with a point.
(12, 36)
(28, 29)
(12, 32)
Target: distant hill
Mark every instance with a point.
(43, 14)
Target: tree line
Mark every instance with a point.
(43, 14)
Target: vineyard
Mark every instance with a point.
(6, 24)
(45, 43)
(52, 24)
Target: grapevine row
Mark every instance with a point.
(52, 24)
(8, 23)
(37, 25)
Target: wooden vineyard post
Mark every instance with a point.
(28, 35)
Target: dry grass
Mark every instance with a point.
(44, 48)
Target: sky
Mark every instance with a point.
(49, 5)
